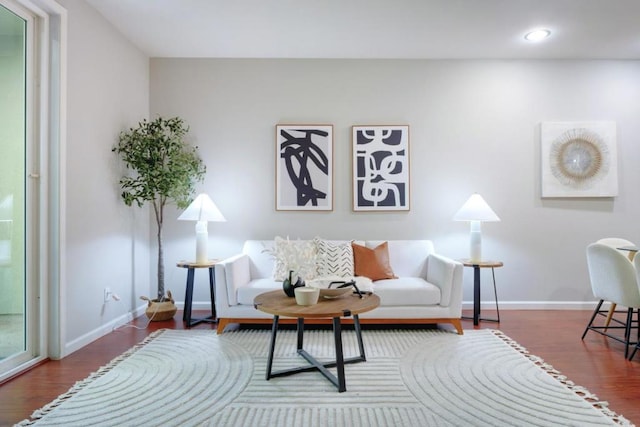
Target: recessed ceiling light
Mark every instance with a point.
(537, 35)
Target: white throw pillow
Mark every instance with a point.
(296, 255)
(334, 258)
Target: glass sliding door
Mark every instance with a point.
(15, 347)
(32, 61)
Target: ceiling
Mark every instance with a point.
(439, 29)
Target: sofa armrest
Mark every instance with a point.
(231, 274)
(446, 274)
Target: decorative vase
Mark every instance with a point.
(160, 310)
(289, 287)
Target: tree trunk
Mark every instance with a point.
(158, 208)
(160, 265)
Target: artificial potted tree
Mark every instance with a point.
(161, 168)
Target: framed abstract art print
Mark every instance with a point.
(304, 167)
(381, 168)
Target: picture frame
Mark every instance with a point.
(381, 168)
(578, 159)
(304, 167)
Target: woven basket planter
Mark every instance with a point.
(158, 311)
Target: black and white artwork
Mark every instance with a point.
(304, 167)
(380, 168)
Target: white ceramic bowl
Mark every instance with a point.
(323, 284)
(335, 292)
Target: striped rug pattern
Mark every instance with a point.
(411, 378)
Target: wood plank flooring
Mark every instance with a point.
(595, 363)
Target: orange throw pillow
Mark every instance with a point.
(372, 263)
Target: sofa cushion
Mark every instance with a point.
(297, 255)
(372, 263)
(392, 292)
(246, 294)
(406, 291)
(333, 258)
(408, 257)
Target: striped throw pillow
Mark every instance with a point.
(334, 258)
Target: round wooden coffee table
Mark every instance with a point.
(350, 305)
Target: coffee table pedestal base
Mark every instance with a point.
(337, 380)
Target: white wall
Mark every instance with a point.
(474, 128)
(106, 242)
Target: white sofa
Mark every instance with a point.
(427, 290)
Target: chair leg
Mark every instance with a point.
(634, 351)
(627, 332)
(595, 312)
(638, 341)
(612, 310)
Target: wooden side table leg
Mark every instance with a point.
(212, 284)
(476, 294)
(188, 298)
(495, 293)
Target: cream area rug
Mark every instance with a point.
(411, 378)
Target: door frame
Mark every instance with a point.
(45, 116)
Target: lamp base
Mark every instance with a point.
(475, 242)
(202, 238)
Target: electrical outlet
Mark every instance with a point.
(107, 294)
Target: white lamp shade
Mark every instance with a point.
(202, 209)
(475, 209)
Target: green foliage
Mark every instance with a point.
(163, 169)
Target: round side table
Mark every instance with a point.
(188, 298)
(477, 265)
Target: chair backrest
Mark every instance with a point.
(613, 278)
(617, 242)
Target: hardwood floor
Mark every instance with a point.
(595, 363)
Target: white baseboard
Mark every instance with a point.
(195, 305)
(484, 305)
(533, 305)
(103, 330)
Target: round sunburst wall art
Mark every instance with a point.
(578, 158)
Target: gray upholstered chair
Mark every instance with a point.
(613, 278)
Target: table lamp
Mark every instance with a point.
(202, 210)
(476, 210)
